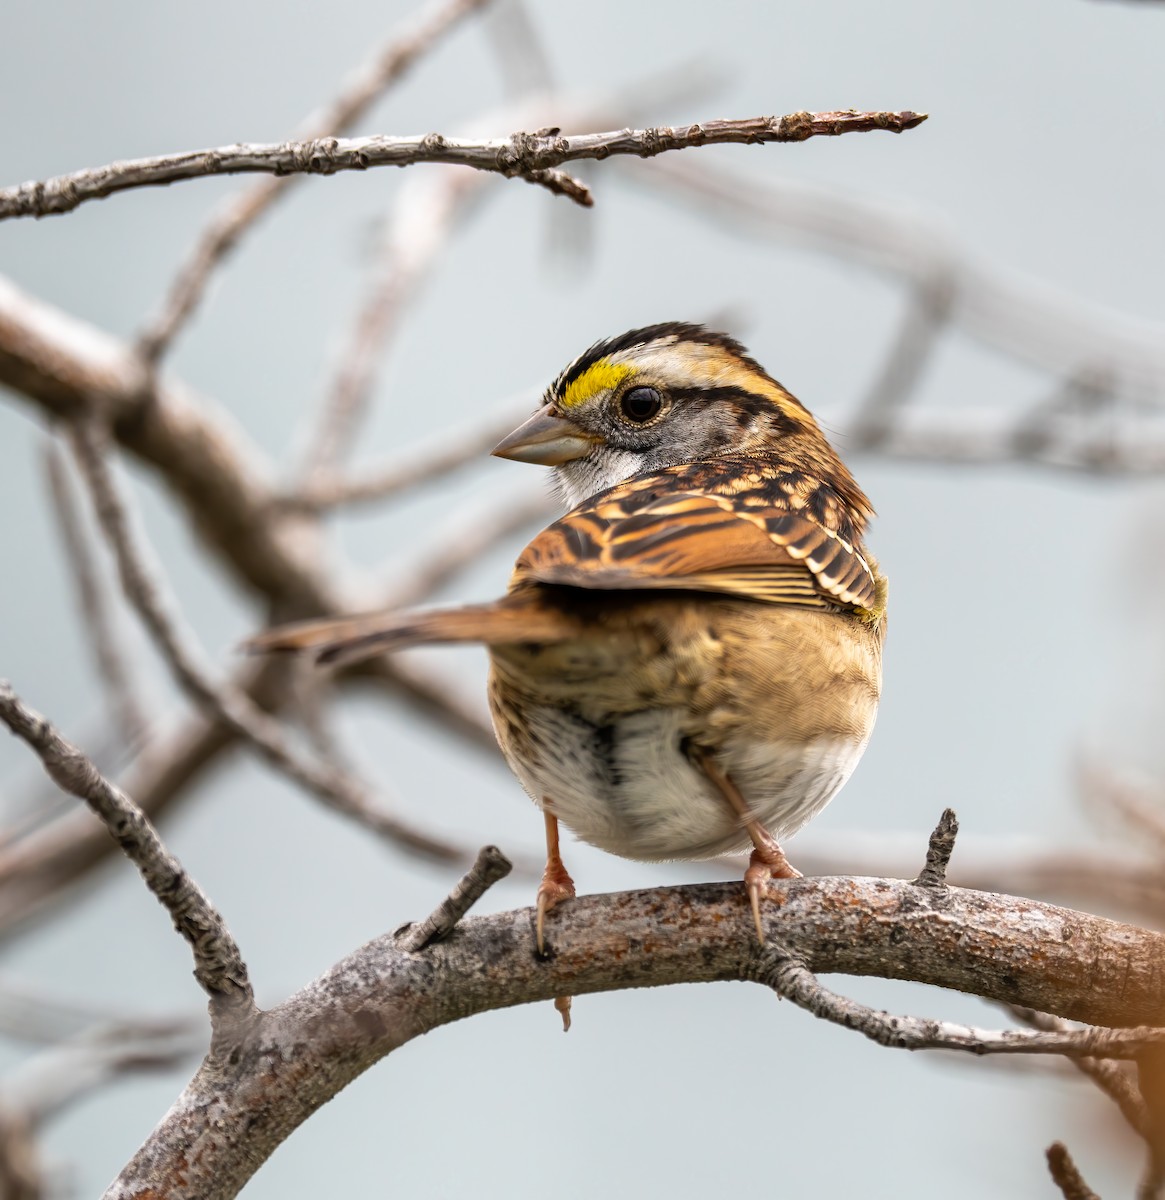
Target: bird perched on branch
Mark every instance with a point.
(688, 663)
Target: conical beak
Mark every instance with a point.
(546, 439)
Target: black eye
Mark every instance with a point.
(641, 404)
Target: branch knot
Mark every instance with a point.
(938, 852)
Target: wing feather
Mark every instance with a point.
(753, 543)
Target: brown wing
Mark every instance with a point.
(743, 541)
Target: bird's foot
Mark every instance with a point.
(556, 886)
(768, 861)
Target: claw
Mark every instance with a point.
(755, 888)
(556, 882)
(556, 886)
(768, 861)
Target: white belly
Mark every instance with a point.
(629, 788)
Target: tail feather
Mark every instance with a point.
(345, 640)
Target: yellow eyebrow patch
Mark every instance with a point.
(597, 378)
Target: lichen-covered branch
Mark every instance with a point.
(939, 850)
(1066, 1175)
(788, 976)
(307, 1049)
(490, 866)
(522, 154)
(218, 965)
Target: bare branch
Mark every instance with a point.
(455, 549)
(56, 1078)
(1087, 393)
(1018, 316)
(42, 1018)
(788, 976)
(520, 51)
(234, 217)
(425, 214)
(522, 154)
(67, 368)
(21, 1175)
(1151, 1081)
(1066, 1176)
(218, 965)
(423, 464)
(380, 997)
(1135, 799)
(559, 183)
(490, 866)
(144, 589)
(38, 869)
(926, 315)
(1111, 1077)
(1018, 866)
(93, 604)
(974, 437)
(939, 850)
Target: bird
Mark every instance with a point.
(688, 663)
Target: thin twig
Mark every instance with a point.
(1136, 800)
(1066, 1176)
(455, 549)
(218, 965)
(939, 850)
(927, 312)
(93, 604)
(427, 463)
(558, 183)
(788, 976)
(977, 437)
(1085, 393)
(144, 588)
(238, 213)
(426, 211)
(41, 1018)
(1151, 1081)
(490, 866)
(520, 51)
(522, 154)
(1111, 1077)
(21, 1172)
(58, 1077)
(37, 802)
(1016, 315)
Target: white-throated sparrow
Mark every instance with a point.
(689, 661)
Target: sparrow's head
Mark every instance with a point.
(668, 394)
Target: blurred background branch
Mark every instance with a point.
(397, 452)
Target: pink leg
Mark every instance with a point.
(768, 860)
(556, 886)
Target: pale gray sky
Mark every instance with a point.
(1008, 642)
